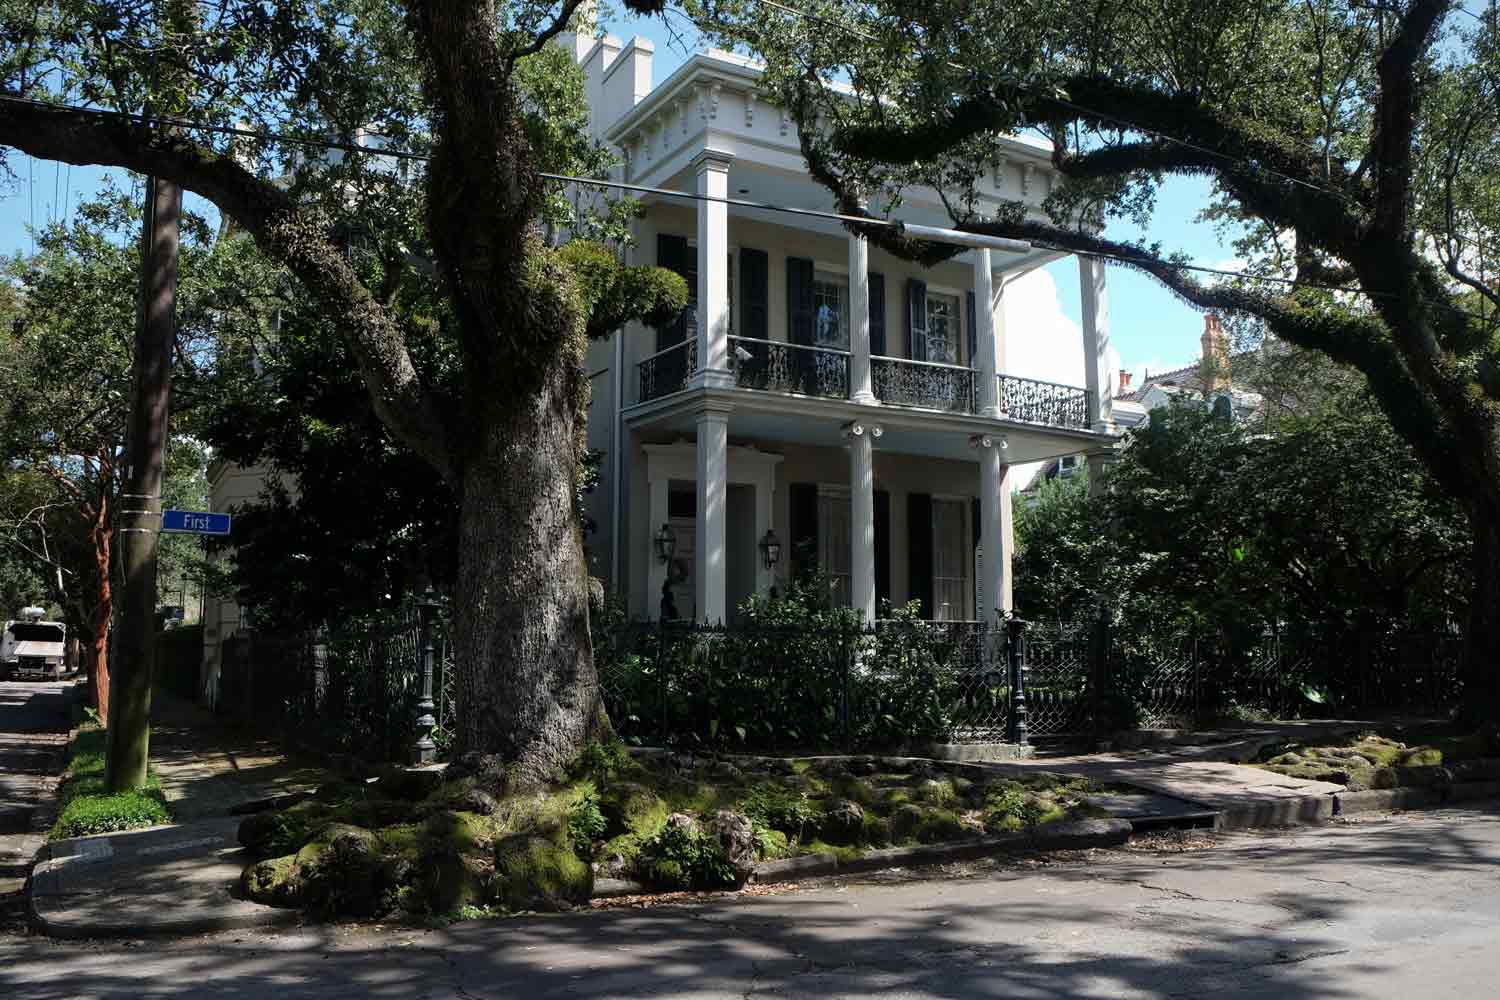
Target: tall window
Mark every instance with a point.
(944, 332)
(834, 530)
(950, 560)
(831, 310)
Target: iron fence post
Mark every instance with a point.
(424, 750)
(1015, 634)
(661, 679)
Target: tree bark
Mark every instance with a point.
(527, 686)
(97, 651)
(130, 723)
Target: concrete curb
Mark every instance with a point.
(267, 916)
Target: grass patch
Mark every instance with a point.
(87, 807)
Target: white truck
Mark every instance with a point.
(30, 647)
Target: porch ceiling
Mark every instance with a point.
(768, 419)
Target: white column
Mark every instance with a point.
(656, 576)
(1098, 466)
(984, 337)
(1096, 342)
(862, 517)
(996, 525)
(713, 274)
(860, 390)
(713, 496)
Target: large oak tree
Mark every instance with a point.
(1355, 144)
(476, 85)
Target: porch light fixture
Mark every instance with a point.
(770, 549)
(666, 544)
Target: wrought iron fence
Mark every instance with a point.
(1043, 402)
(779, 367)
(354, 688)
(668, 370)
(900, 382)
(920, 682)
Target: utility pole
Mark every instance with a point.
(155, 341)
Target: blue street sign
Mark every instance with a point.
(194, 522)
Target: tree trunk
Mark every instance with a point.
(527, 686)
(1481, 662)
(96, 653)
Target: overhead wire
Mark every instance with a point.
(308, 142)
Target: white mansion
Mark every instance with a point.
(821, 404)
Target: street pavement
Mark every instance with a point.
(1404, 905)
(33, 736)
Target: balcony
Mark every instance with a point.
(773, 366)
(928, 384)
(796, 369)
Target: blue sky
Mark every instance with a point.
(1149, 327)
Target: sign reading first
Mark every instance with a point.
(194, 522)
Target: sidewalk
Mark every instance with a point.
(177, 879)
(33, 735)
(172, 879)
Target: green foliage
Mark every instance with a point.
(779, 677)
(778, 807)
(586, 824)
(88, 807)
(684, 857)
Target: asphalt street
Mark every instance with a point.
(1392, 906)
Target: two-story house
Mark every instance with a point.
(821, 404)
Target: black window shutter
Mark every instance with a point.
(979, 612)
(916, 319)
(877, 313)
(919, 549)
(973, 332)
(672, 254)
(803, 503)
(882, 550)
(754, 273)
(799, 300)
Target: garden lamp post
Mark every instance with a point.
(666, 544)
(424, 750)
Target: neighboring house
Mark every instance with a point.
(818, 393)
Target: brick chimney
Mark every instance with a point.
(1215, 359)
(1124, 383)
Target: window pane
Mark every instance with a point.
(942, 328)
(830, 311)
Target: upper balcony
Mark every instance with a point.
(823, 372)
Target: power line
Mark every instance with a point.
(694, 196)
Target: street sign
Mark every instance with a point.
(194, 522)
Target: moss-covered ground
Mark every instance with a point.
(456, 845)
(86, 807)
(1372, 760)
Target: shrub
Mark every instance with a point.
(586, 823)
(681, 856)
(780, 808)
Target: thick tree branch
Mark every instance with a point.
(281, 227)
(1396, 114)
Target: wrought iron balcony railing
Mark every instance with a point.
(900, 382)
(668, 370)
(1043, 402)
(779, 367)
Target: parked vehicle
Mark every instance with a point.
(30, 647)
